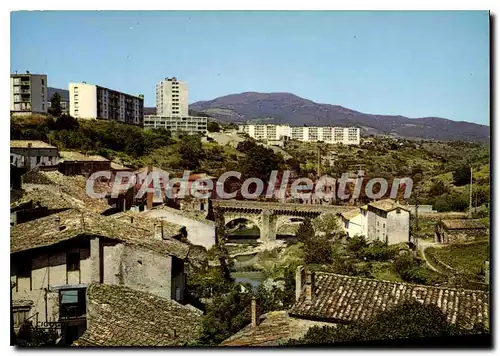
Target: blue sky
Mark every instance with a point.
(400, 63)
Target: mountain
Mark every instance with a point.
(62, 92)
(286, 108)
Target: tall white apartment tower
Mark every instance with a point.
(172, 98)
(28, 94)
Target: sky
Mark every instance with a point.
(415, 64)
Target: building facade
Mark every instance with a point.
(55, 258)
(172, 98)
(344, 135)
(32, 154)
(28, 94)
(178, 124)
(88, 101)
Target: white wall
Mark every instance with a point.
(198, 233)
(398, 226)
(85, 97)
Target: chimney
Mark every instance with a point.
(159, 231)
(255, 316)
(27, 164)
(298, 282)
(57, 223)
(309, 285)
(149, 195)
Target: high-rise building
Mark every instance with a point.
(172, 98)
(177, 124)
(28, 94)
(344, 135)
(89, 101)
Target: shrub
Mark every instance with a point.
(376, 251)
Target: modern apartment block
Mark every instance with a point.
(87, 101)
(328, 134)
(177, 124)
(28, 94)
(172, 98)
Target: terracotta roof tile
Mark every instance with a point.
(120, 316)
(386, 205)
(34, 144)
(73, 186)
(348, 215)
(78, 156)
(274, 328)
(75, 223)
(339, 298)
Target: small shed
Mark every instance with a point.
(459, 230)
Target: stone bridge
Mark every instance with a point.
(269, 217)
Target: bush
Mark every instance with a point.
(356, 243)
(376, 251)
(317, 250)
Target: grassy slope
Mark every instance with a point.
(463, 257)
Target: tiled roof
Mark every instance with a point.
(77, 156)
(74, 223)
(34, 144)
(120, 316)
(148, 223)
(339, 298)
(348, 215)
(274, 328)
(465, 224)
(199, 216)
(386, 205)
(46, 198)
(117, 166)
(73, 186)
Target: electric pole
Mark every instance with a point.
(470, 195)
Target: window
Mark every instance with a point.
(20, 314)
(398, 211)
(73, 261)
(38, 159)
(43, 83)
(72, 303)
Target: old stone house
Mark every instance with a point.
(30, 154)
(352, 222)
(55, 258)
(459, 230)
(327, 299)
(76, 163)
(383, 220)
(387, 221)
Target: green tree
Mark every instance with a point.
(438, 188)
(329, 225)
(318, 250)
(259, 162)
(213, 126)
(226, 314)
(55, 105)
(191, 151)
(305, 231)
(461, 175)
